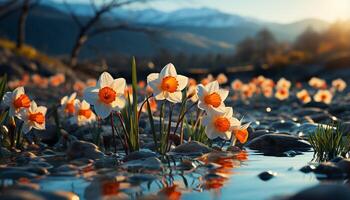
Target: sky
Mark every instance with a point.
(282, 11)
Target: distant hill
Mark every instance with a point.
(191, 31)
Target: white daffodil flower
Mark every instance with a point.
(167, 84)
(83, 115)
(68, 104)
(282, 93)
(304, 96)
(220, 124)
(16, 100)
(324, 96)
(211, 96)
(339, 84)
(283, 83)
(33, 117)
(107, 96)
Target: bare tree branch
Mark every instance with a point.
(86, 30)
(7, 5)
(16, 8)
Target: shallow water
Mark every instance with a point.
(242, 183)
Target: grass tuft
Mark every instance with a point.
(328, 142)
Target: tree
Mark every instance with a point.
(21, 26)
(245, 50)
(8, 7)
(93, 26)
(308, 41)
(266, 43)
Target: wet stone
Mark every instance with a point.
(329, 170)
(139, 155)
(5, 153)
(258, 133)
(276, 144)
(140, 178)
(344, 165)
(267, 175)
(192, 148)
(186, 165)
(106, 162)
(15, 174)
(308, 168)
(66, 170)
(83, 149)
(150, 163)
(323, 192)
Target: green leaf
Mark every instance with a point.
(3, 84)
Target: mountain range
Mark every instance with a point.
(193, 31)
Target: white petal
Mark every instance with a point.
(226, 135)
(7, 99)
(212, 87)
(64, 100)
(33, 107)
(118, 103)
(220, 109)
(175, 97)
(201, 90)
(202, 105)
(182, 81)
(22, 114)
(235, 123)
(39, 126)
(72, 96)
(154, 84)
(151, 77)
(223, 94)
(168, 70)
(85, 105)
(18, 92)
(105, 80)
(119, 85)
(206, 120)
(91, 95)
(102, 110)
(159, 96)
(42, 109)
(210, 132)
(228, 112)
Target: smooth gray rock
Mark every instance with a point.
(276, 144)
(192, 148)
(323, 192)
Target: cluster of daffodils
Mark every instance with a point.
(257, 86)
(219, 120)
(21, 107)
(38, 81)
(281, 90)
(79, 112)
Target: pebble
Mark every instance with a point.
(267, 175)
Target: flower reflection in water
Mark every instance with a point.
(222, 165)
(170, 192)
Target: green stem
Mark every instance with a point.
(113, 134)
(168, 144)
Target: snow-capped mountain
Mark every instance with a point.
(197, 17)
